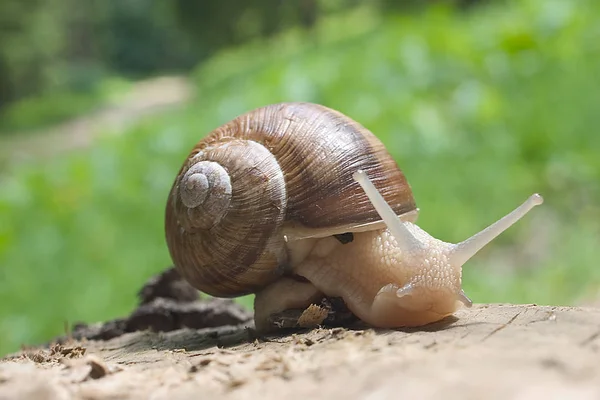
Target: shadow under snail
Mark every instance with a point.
(260, 203)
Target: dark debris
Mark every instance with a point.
(168, 285)
(338, 315)
(167, 303)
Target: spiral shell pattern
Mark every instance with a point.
(267, 172)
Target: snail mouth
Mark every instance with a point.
(414, 310)
(418, 298)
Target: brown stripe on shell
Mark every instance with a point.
(319, 149)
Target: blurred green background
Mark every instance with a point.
(481, 102)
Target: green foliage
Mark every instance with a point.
(480, 110)
(53, 107)
(142, 38)
(237, 21)
(29, 46)
(53, 45)
(37, 111)
(65, 46)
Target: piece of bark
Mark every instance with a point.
(330, 312)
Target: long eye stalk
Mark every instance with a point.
(460, 253)
(406, 240)
(466, 249)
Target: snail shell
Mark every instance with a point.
(276, 174)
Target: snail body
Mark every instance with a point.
(260, 202)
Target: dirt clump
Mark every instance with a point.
(166, 303)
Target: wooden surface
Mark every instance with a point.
(489, 351)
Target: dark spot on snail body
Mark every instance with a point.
(344, 238)
(298, 278)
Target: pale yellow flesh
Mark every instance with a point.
(367, 273)
(285, 294)
(399, 276)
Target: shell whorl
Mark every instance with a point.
(226, 208)
(205, 190)
(279, 169)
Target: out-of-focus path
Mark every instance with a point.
(145, 98)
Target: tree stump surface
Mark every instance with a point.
(491, 351)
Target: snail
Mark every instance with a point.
(294, 202)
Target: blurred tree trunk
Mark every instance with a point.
(309, 13)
